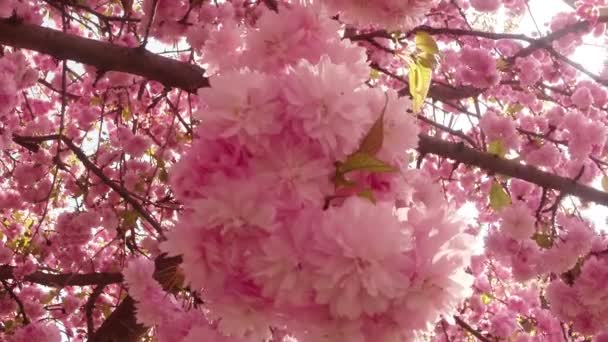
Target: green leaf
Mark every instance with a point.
(426, 43)
(130, 218)
(126, 113)
(368, 194)
(374, 74)
(605, 183)
(497, 148)
(372, 142)
(514, 108)
(420, 82)
(527, 325)
(340, 181)
(360, 161)
(485, 298)
(9, 325)
(543, 240)
(498, 196)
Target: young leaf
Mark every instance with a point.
(360, 161)
(372, 142)
(420, 82)
(368, 194)
(426, 43)
(514, 108)
(543, 240)
(497, 148)
(498, 197)
(605, 183)
(340, 181)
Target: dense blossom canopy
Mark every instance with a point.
(302, 170)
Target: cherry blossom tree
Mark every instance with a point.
(302, 170)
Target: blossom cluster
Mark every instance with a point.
(15, 75)
(299, 215)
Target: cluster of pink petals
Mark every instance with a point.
(272, 243)
(389, 14)
(585, 303)
(15, 75)
(37, 332)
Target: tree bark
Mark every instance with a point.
(103, 56)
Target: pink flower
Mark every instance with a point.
(360, 258)
(499, 128)
(235, 205)
(37, 332)
(6, 255)
(224, 47)
(389, 14)
(477, 68)
(529, 71)
(486, 5)
(503, 324)
(517, 221)
(582, 97)
(8, 93)
(6, 8)
(331, 110)
(583, 134)
(248, 111)
(400, 129)
(298, 33)
(299, 174)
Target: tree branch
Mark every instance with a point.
(63, 279)
(466, 155)
(470, 329)
(89, 307)
(104, 56)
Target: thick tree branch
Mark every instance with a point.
(89, 307)
(104, 56)
(121, 325)
(466, 155)
(63, 279)
(471, 330)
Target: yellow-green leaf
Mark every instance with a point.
(130, 218)
(372, 142)
(605, 183)
(502, 64)
(514, 108)
(527, 325)
(427, 60)
(9, 325)
(360, 161)
(374, 74)
(497, 148)
(126, 113)
(498, 197)
(96, 101)
(420, 81)
(426, 43)
(368, 194)
(543, 240)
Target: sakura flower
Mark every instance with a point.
(517, 221)
(360, 267)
